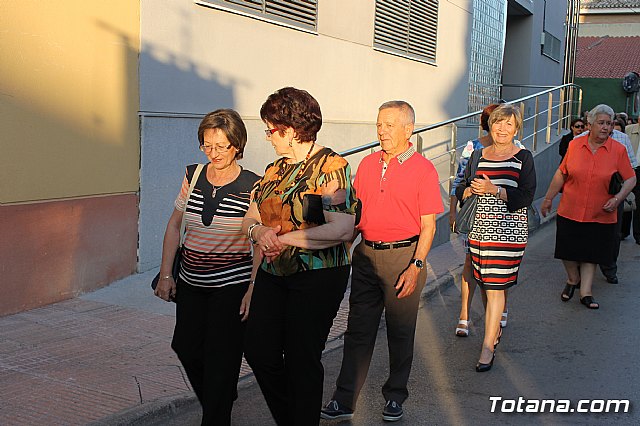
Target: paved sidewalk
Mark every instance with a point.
(105, 357)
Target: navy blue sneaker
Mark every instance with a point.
(392, 411)
(336, 411)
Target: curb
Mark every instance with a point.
(151, 412)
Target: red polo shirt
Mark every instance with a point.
(586, 187)
(392, 205)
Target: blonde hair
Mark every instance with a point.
(504, 112)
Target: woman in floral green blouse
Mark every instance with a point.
(301, 218)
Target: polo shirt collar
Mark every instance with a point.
(404, 156)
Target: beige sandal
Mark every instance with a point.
(463, 332)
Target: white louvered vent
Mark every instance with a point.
(407, 27)
(297, 13)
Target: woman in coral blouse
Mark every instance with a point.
(587, 212)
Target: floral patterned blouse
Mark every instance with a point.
(279, 196)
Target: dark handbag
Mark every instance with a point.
(312, 211)
(466, 215)
(175, 269)
(177, 259)
(615, 185)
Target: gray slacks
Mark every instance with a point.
(374, 275)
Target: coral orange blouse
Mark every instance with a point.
(587, 177)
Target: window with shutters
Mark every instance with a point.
(294, 13)
(407, 27)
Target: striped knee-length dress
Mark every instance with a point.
(498, 238)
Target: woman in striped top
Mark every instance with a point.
(216, 272)
(505, 183)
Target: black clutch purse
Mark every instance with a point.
(312, 211)
(615, 185)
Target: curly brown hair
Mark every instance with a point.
(295, 108)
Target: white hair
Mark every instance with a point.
(600, 109)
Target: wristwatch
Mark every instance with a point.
(419, 263)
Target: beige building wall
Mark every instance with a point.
(607, 24)
(68, 99)
(236, 61)
(69, 147)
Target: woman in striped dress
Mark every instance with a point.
(216, 276)
(505, 183)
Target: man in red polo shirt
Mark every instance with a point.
(400, 196)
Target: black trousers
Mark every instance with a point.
(287, 330)
(375, 273)
(610, 270)
(208, 340)
(633, 218)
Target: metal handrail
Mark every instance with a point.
(564, 107)
(375, 144)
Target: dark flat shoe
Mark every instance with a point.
(567, 293)
(588, 301)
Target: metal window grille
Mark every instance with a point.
(551, 46)
(296, 13)
(407, 27)
(488, 36)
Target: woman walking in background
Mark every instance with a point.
(587, 213)
(577, 126)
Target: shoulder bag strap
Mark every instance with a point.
(194, 179)
(473, 162)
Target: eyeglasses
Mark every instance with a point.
(218, 149)
(579, 126)
(270, 132)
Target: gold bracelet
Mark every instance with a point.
(166, 277)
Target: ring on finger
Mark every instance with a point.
(266, 247)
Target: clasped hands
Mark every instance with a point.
(481, 186)
(271, 244)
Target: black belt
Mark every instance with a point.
(380, 245)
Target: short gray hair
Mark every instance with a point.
(600, 109)
(403, 106)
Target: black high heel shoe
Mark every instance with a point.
(567, 293)
(481, 368)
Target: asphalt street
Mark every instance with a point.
(550, 350)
